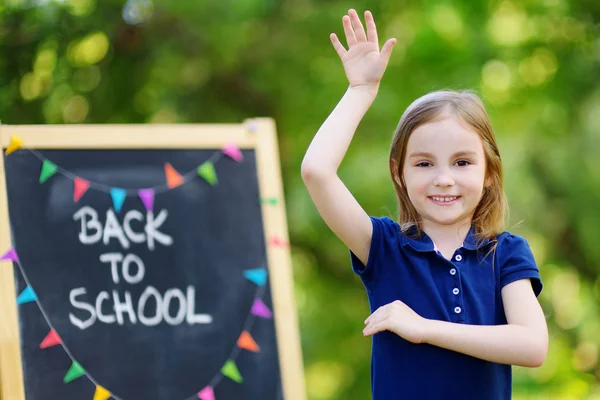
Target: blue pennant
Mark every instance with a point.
(26, 296)
(258, 275)
(118, 197)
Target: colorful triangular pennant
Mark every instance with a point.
(147, 197)
(260, 309)
(74, 372)
(231, 371)
(101, 393)
(10, 255)
(79, 188)
(174, 178)
(15, 144)
(48, 169)
(27, 296)
(51, 339)
(245, 341)
(207, 171)
(207, 394)
(258, 275)
(233, 151)
(269, 200)
(277, 241)
(118, 198)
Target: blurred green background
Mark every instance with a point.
(536, 63)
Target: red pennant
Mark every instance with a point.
(52, 339)
(81, 186)
(174, 178)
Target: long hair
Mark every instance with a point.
(489, 216)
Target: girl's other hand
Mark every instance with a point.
(400, 319)
(363, 62)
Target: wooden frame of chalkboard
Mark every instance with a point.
(256, 135)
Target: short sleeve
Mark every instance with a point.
(517, 262)
(383, 240)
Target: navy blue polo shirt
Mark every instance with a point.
(465, 290)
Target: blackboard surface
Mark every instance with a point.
(202, 240)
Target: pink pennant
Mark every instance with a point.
(10, 255)
(207, 394)
(233, 151)
(147, 197)
(81, 186)
(260, 309)
(52, 339)
(277, 241)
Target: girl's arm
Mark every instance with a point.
(364, 65)
(523, 341)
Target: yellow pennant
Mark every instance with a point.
(15, 144)
(101, 393)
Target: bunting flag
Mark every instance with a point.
(51, 339)
(233, 151)
(147, 197)
(27, 296)
(231, 371)
(277, 241)
(207, 171)
(258, 275)
(207, 394)
(246, 342)
(269, 200)
(174, 178)
(118, 197)
(10, 255)
(79, 188)
(48, 169)
(101, 393)
(260, 309)
(15, 144)
(76, 371)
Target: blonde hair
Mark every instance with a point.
(488, 218)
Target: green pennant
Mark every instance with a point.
(74, 372)
(230, 370)
(207, 171)
(48, 169)
(269, 200)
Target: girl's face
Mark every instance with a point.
(444, 171)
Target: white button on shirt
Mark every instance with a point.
(455, 290)
(453, 271)
(457, 310)
(458, 257)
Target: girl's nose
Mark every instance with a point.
(443, 178)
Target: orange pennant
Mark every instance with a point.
(246, 342)
(52, 339)
(174, 178)
(81, 186)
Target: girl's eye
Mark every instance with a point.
(462, 163)
(424, 164)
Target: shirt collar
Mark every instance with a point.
(424, 243)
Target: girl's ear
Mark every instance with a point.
(488, 182)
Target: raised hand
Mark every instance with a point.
(363, 62)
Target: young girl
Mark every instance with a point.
(453, 297)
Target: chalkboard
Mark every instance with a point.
(148, 271)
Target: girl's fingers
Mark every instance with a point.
(371, 28)
(350, 38)
(337, 45)
(386, 50)
(359, 31)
